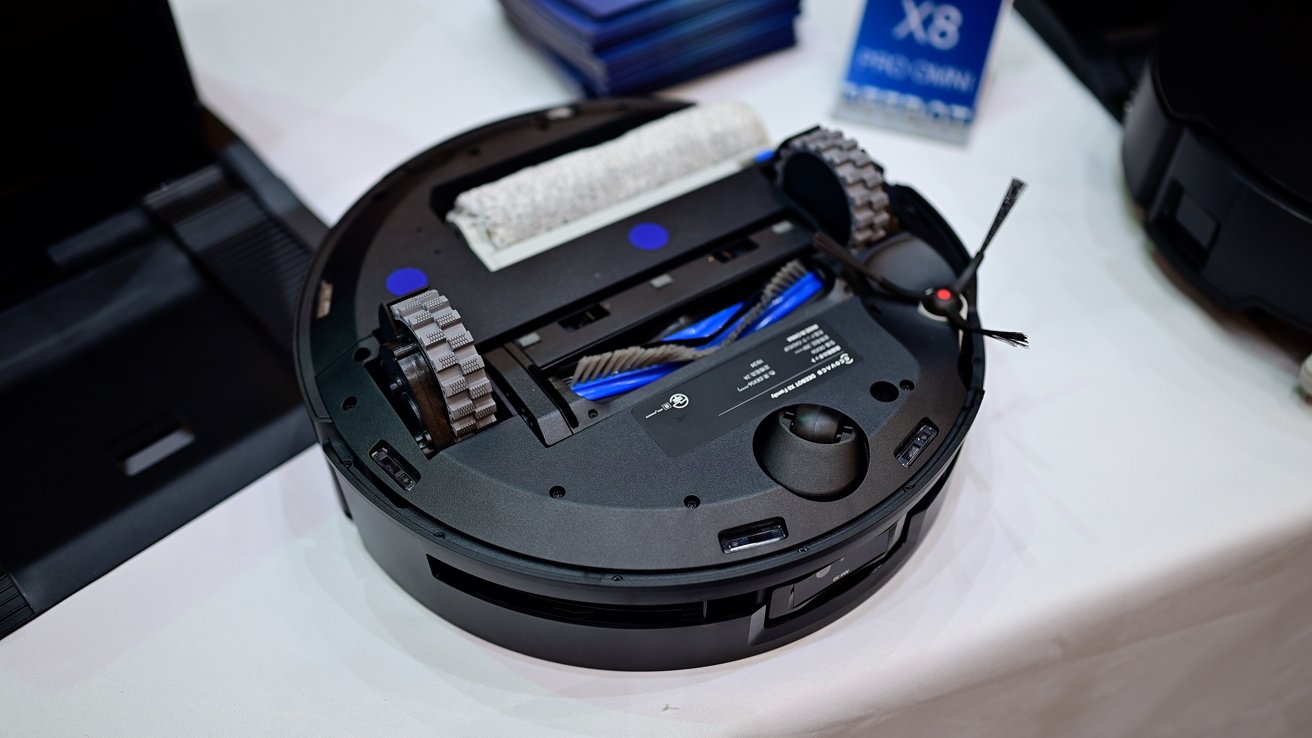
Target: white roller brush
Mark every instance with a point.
(544, 205)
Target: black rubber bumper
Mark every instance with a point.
(633, 635)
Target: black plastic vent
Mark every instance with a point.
(256, 260)
(14, 610)
(612, 615)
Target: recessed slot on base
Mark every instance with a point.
(149, 443)
(165, 444)
(396, 467)
(586, 316)
(734, 250)
(594, 613)
(911, 448)
(750, 536)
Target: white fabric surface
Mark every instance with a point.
(1122, 552)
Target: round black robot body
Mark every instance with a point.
(679, 435)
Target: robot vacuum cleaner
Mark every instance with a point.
(623, 385)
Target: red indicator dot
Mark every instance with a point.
(943, 294)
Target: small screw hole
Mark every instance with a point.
(907, 385)
(348, 403)
(691, 501)
(557, 492)
(592, 415)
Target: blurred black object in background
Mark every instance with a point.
(1217, 153)
(1106, 43)
(1215, 104)
(149, 270)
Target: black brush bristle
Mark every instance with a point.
(1011, 338)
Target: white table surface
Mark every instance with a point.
(1122, 550)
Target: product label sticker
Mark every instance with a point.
(714, 402)
(918, 65)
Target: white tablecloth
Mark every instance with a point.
(1122, 551)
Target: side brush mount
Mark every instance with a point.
(946, 300)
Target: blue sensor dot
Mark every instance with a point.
(648, 236)
(405, 280)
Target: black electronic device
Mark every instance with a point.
(1105, 44)
(1216, 152)
(732, 496)
(151, 263)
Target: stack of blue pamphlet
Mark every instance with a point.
(614, 47)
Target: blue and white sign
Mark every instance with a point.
(918, 64)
